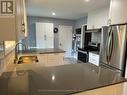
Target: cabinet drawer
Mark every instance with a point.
(94, 58)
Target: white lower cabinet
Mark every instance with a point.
(51, 59)
(42, 58)
(8, 59)
(94, 58)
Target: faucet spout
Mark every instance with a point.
(16, 51)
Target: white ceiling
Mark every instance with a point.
(65, 9)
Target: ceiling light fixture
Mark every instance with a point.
(53, 13)
(87, 0)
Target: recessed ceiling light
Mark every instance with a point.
(53, 13)
(87, 0)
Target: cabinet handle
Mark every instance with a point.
(44, 37)
(23, 28)
(60, 44)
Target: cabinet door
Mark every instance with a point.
(49, 29)
(51, 59)
(118, 12)
(42, 58)
(55, 59)
(11, 25)
(40, 35)
(60, 59)
(98, 18)
(44, 35)
(49, 35)
(49, 43)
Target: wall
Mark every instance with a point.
(6, 54)
(80, 22)
(31, 39)
(98, 18)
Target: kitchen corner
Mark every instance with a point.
(63, 47)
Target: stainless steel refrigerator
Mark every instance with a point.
(113, 47)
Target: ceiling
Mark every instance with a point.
(65, 9)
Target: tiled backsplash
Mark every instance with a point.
(2, 49)
(2, 55)
(9, 46)
(5, 49)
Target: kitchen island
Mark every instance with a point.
(47, 57)
(41, 51)
(35, 79)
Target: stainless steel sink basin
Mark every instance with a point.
(27, 59)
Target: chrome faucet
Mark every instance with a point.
(16, 52)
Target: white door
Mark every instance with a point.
(44, 35)
(65, 39)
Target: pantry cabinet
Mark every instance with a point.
(44, 35)
(118, 12)
(13, 26)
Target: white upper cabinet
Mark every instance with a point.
(118, 11)
(44, 35)
(98, 18)
(13, 20)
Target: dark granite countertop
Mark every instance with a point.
(42, 51)
(59, 80)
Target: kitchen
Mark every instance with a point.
(36, 62)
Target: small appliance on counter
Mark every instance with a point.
(113, 48)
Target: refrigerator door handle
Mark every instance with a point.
(111, 45)
(109, 48)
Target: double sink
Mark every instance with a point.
(27, 59)
(24, 59)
